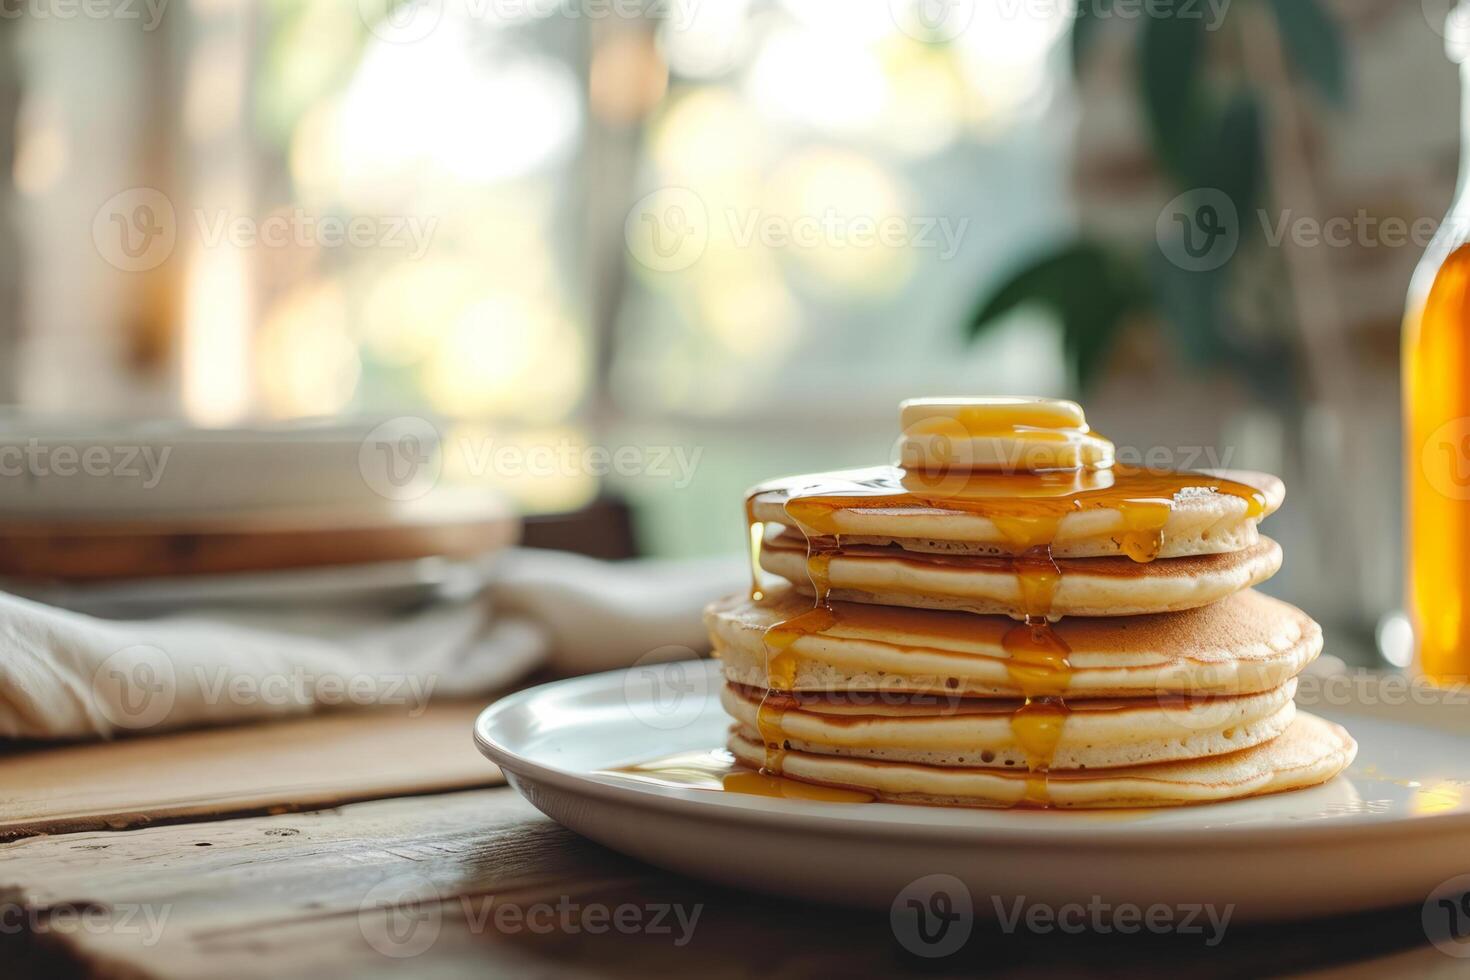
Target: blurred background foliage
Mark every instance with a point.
(1206, 119)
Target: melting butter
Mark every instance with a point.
(958, 435)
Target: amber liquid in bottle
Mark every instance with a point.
(1436, 379)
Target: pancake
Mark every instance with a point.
(1309, 752)
(1011, 617)
(1114, 586)
(1243, 644)
(1198, 521)
(940, 731)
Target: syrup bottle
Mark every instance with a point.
(1436, 392)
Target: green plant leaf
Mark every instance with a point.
(1190, 304)
(1312, 40)
(1171, 56)
(1234, 162)
(1239, 157)
(1089, 288)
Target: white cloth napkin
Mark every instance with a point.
(65, 674)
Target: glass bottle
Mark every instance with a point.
(1436, 393)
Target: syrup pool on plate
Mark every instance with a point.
(717, 770)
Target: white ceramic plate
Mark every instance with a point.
(1387, 832)
(62, 470)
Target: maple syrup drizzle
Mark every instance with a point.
(1027, 509)
(781, 660)
(755, 533)
(1038, 662)
(781, 664)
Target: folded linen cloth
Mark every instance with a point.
(66, 674)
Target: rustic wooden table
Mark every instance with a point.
(374, 843)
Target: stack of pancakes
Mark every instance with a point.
(1070, 636)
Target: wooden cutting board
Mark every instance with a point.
(304, 764)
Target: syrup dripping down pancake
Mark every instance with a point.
(1001, 515)
(1309, 752)
(1110, 586)
(1243, 644)
(948, 731)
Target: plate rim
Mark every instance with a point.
(832, 818)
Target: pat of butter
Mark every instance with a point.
(998, 435)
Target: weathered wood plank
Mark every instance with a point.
(480, 884)
(306, 763)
